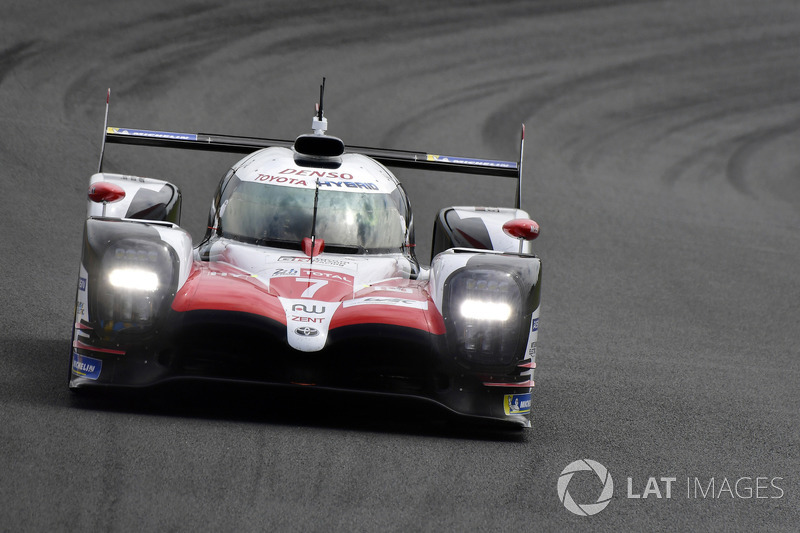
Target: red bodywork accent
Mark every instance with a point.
(220, 286)
(225, 288)
(528, 383)
(410, 317)
(82, 346)
(104, 191)
(316, 249)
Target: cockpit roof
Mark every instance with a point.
(350, 172)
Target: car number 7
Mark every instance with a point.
(313, 288)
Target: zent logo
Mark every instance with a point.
(586, 509)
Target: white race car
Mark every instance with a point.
(307, 276)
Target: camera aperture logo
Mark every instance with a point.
(585, 509)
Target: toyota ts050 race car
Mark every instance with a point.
(307, 276)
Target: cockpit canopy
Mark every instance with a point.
(350, 221)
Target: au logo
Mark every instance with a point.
(305, 309)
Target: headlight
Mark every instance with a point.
(136, 276)
(489, 311)
(133, 278)
(483, 309)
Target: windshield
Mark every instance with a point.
(274, 214)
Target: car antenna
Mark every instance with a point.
(320, 123)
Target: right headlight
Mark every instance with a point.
(483, 309)
(135, 278)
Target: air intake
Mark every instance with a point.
(319, 146)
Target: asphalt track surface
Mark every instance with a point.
(662, 162)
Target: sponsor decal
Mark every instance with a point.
(280, 179)
(307, 331)
(471, 161)
(349, 185)
(82, 284)
(281, 272)
(154, 134)
(323, 274)
(317, 261)
(387, 300)
(232, 275)
(86, 367)
(386, 288)
(517, 404)
(532, 350)
(535, 325)
(311, 319)
(304, 308)
(318, 174)
(137, 179)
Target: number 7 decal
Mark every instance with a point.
(313, 288)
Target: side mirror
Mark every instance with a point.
(104, 192)
(521, 228)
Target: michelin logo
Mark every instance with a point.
(517, 404)
(86, 367)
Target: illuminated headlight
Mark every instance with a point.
(489, 311)
(137, 275)
(483, 309)
(133, 278)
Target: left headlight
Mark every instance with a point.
(483, 309)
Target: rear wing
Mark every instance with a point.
(390, 158)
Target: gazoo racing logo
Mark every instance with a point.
(586, 509)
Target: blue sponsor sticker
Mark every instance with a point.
(86, 367)
(82, 284)
(517, 404)
(535, 324)
(471, 161)
(154, 134)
